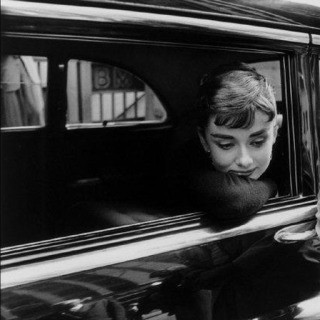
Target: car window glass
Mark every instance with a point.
(23, 91)
(102, 94)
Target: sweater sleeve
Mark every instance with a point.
(225, 196)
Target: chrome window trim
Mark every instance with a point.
(22, 128)
(112, 124)
(155, 21)
(36, 271)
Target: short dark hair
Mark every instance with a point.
(232, 94)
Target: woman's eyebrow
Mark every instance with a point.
(225, 136)
(258, 133)
(221, 136)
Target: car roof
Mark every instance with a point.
(284, 12)
(298, 15)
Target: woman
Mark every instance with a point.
(225, 175)
(237, 124)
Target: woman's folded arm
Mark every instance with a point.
(226, 196)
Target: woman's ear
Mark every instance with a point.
(203, 139)
(278, 124)
(279, 120)
(275, 132)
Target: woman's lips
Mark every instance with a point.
(242, 173)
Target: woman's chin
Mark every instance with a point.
(255, 175)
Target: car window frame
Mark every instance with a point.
(59, 66)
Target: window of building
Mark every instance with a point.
(100, 94)
(23, 91)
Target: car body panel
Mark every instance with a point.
(132, 280)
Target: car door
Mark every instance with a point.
(90, 227)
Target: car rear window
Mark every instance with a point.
(101, 94)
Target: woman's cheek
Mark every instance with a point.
(221, 159)
(263, 159)
(265, 152)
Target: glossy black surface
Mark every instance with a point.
(257, 259)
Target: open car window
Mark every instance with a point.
(122, 171)
(128, 188)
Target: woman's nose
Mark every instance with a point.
(244, 158)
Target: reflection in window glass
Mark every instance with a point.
(100, 93)
(23, 91)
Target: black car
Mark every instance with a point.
(96, 102)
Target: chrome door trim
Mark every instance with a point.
(116, 17)
(36, 271)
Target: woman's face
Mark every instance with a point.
(245, 152)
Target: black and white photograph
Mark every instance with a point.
(160, 160)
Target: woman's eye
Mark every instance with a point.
(225, 146)
(258, 143)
